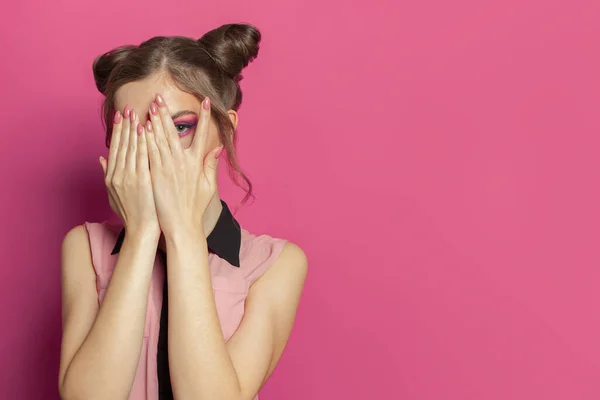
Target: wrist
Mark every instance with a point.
(143, 232)
(141, 238)
(185, 236)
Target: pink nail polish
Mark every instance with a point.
(149, 126)
(117, 118)
(153, 108)
(218, 153)
(126, 112)
(159, 100)
(206, 103)
(140, 129)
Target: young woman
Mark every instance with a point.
(213, 322)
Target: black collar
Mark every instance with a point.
(225, 240)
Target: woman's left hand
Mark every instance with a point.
(183, 180)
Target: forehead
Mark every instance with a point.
(139, 94)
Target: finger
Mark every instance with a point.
(103, 165)
(170, 134)
(142, 150)
(158, 132)
(115, 141)
(211, 163)
(132, 147)
(153, 151)
(199, 143)
(128, 123)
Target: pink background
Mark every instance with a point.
(437, 160)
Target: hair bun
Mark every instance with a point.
(232, 47)
(104, 65)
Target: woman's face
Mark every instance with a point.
(184, 107)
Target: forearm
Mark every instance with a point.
(105, 364)
(198, 358)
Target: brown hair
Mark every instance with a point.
(210, 66)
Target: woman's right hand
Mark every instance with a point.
(127, 174)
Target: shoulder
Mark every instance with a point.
(95, 233)
(75, 238)
(260, 254)
(90, 241)
(293, 259)
(80, 235)
(288, 270)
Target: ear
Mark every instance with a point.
(233, 117)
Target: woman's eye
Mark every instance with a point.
(182, 129)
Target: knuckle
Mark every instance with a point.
(117, 182)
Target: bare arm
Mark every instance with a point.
(101, 345)
(203, 365)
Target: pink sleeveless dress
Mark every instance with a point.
(230, 288)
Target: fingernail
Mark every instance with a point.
(126, 112)
(149, 126)
(159, 100)
(206, 103)
(140, 129)
(117, 118)
(153, 108)
(101, 159)
(133, 115)
(218, 153)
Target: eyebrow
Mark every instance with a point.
(182, 113)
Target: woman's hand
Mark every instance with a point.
(184, 180)
(127, 174)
